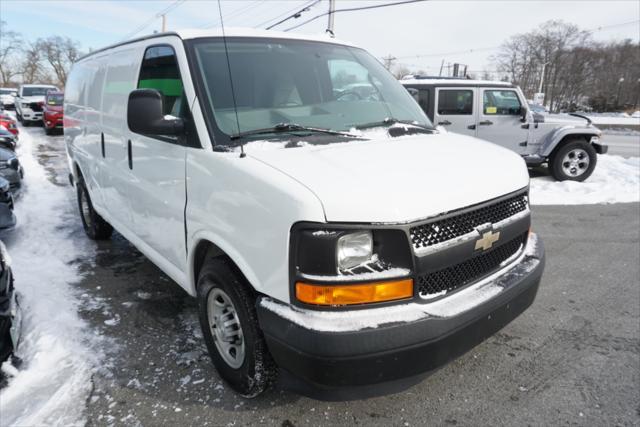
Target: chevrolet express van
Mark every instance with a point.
(328, 230)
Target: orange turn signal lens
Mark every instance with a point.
(354, 294)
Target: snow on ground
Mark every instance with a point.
(615, 179)
(614, 120)
(58, 353)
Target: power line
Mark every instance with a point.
(164, 11)
(484, 49)
(235, 13)
(295, 15)
(354, 9)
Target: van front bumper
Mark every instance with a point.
(331, 360)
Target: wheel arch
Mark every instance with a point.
(569, 138)
(562, 135)
(205, 248)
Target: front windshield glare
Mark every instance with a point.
(311, 84)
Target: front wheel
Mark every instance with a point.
(94, 225)
(574, 161)
(229, 323)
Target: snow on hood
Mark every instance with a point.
(398, 179)
(35, 98)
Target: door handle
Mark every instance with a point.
(445, 123)
(472, 127)
(486, 123)
(129, 154)
(102, 144)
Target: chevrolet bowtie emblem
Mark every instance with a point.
(487, 240)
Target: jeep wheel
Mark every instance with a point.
(94, 225)
(6, 346)
(574, 161)
(230, 327)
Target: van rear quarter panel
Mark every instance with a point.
(246, 208)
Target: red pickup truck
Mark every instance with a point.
(53, 114)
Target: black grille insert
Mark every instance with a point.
(35, 106)
(464, 273)
(432, 233)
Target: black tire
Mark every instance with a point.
(562, 170)
(6, 346)
(47, 131)
(94, 225)
(19, 117)
(257, 371)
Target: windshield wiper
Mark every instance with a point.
(390, 121)
(290, 127)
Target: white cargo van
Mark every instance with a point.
(328, 230)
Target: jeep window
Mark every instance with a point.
(311, 84)
(36, 91)
(160, 71)
(54, 99)
(501, 103)
(458, 102)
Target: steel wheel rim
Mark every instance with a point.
(575, 162)
(85, 209)
(225, 328)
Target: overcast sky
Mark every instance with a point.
(438, 30)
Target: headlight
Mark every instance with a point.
(354, 249)
(25, 105)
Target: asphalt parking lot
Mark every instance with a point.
(572, 358)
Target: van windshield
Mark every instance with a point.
(306, 83)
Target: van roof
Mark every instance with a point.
(37, 85)
(452, 82)
(189, 34)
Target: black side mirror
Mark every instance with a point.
(144, 115)
(523, 114)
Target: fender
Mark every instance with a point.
(228, 249)
(552, 140)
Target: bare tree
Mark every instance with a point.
(59, 53)
(577, 70)
(10, 49)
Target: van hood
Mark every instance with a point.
(396, 180)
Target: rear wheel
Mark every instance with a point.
(94, 225)
(574, 161)
(230, 327)
(6, 346)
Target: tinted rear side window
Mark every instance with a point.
(455, 102)
(160, 71)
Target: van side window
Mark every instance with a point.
(455, 102)
(501, 103)
(160, 71)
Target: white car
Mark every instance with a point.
(345, 240)
(30, 102)
(7, 98)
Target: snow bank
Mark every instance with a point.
(614, 180)
(52, 384)
(614, 120)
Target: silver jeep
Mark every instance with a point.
(498, 112)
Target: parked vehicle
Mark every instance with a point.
(10, 168)
(30, 102)
(7, 218)
(53, 112)
(7, 139)
(7, 98)
(497, 112)
(348, 241)
(10, 318)
(7, 122)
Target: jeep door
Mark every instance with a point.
(157, 163)
(456, 109)
(500, 119)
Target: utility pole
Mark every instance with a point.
(164, 21)
(542, 76)
(441, 67)
(388, 61)
(332, 9)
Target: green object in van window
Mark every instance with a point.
(168, 87)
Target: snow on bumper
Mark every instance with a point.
(355, 348)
